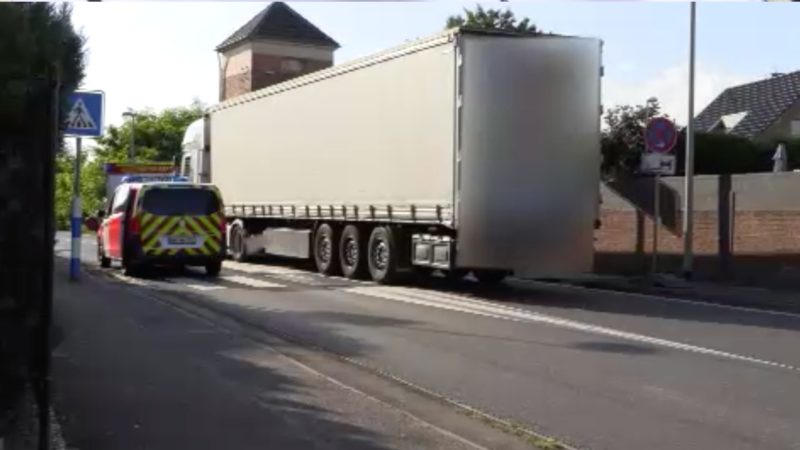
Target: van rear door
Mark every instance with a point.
(181, 219)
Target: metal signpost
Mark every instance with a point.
(84, 119)
(660, 136)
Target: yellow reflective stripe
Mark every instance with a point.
(151, 227)
(209, 240)
(190, 251)
(162, 228)
(145, 218)
(213, 230)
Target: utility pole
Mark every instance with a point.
(688, 177)
(132, 116)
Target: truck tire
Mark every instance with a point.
(488, 276)
(455, 274)
(325, 257)
(104, 261)
(382, 255)
(238, 245)
(351, 253)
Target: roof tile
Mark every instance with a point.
(280, 22)
(764, 101)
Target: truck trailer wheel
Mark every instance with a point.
(325, 250)
(351, 253)
(382, 255)
(238, 245)
(487, 276)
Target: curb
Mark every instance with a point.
(687, 293)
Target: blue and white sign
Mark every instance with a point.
(85, 116)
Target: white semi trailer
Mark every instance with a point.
(466, 151)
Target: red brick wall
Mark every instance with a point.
(765, 244)
(237, 85)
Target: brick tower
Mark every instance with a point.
(274, 46)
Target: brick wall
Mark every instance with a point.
(764, 236)
(237, 85)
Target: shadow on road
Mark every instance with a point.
(133, 374)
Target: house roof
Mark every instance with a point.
(762, 102)
(280, 22)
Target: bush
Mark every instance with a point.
(726, 154)
(767, 151)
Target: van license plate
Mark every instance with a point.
(182, 241)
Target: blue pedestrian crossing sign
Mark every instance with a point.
(85, 114)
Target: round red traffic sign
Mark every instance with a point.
(660, 135)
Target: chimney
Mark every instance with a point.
(274, 46)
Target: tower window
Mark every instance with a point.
(291, 66)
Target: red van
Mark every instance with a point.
(163, 223)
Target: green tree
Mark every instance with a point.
(37, 37)
(157, 135)
(492, 19)
(623, 138)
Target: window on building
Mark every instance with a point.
(728, 122)
(794, 129)
(291, 66)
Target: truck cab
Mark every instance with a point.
(195, 156)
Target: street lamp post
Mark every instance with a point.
(688, 178)
(132, 116)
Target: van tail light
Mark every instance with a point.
(222, 225)
(134, 226)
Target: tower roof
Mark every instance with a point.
(279, 22)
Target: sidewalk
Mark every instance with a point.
(665, 285)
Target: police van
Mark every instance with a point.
(171, 222)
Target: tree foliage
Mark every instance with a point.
(157, 135)
(623, 138)
(492, 19)
(37, 38)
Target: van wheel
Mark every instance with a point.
(132, 269)
(213, 269)
(325, 250)
(382, 256)
(104, 262)
(238, 244)
(351, 253)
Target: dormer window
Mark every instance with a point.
(728, 122)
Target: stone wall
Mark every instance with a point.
(746, 226)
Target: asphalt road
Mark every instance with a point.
(596, 370)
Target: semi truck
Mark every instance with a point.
(468, 151)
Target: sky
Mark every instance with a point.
(161, 54)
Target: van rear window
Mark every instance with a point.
(180, 202)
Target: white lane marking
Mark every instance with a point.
(289, 274)
(696, 303)
(487, 309)
(261, 269)
(196, 284)
(251, 282)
